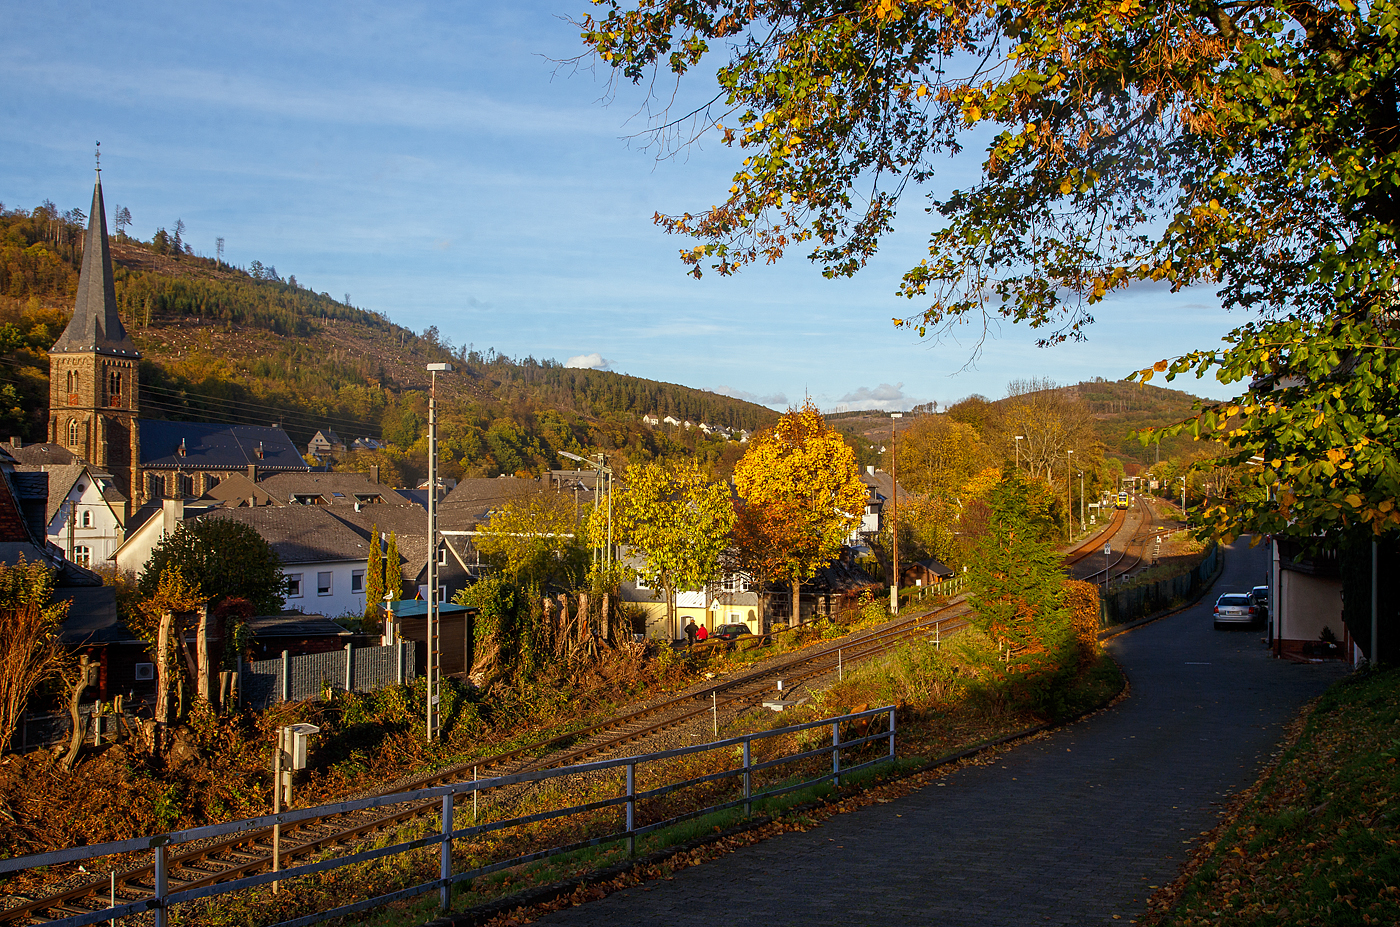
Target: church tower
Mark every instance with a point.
(93, 368)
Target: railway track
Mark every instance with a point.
(1134, 551)
(251, 853)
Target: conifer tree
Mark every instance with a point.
(393, 572)
(374, 574)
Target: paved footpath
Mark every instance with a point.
(1074, 828)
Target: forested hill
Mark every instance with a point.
(223, 343)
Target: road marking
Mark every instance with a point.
(1190, 663)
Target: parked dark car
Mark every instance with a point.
(729, 632)
(1260, 596)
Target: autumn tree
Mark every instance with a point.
(800, 478)
(532, 536)
(937, 456)
(1252, 146)
(31, 646)
(677, 520)
(223, 558)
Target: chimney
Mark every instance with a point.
(16, 443)
(173, 511)
(374, 474)
(870, 470)
(253, 472)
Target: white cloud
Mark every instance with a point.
(773, 399)
(594, 361)
(883, 397)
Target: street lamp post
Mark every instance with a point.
(605, 475)
(1081, 500)
(434, 656)
(1019, 439)
(894, 515)
(1069, 494)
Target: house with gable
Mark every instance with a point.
(85, 515)
(324, 442)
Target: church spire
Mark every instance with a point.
(96, 326)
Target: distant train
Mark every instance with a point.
(1122, 500)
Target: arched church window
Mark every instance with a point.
(114, 387)
(74, 433)
(72, 382)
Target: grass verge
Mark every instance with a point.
(1316, 840)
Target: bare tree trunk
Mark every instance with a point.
(605, 617)
(565, 638)
(583, 628)
(548, 627)
(795, 613)
(75, 697)
(163, 669)
(202, 652)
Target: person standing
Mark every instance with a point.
(690, 633)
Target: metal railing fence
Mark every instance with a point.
(162, 898)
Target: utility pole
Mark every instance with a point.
(434, 655)
(894, 515)
(1019, 439)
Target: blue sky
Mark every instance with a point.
(433, 162)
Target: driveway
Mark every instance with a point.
(1074, 828)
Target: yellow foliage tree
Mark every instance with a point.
(804, 473)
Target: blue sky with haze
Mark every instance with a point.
(430, 161)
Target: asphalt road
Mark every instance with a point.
(1075, 828)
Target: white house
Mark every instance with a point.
(86, 514)
(323, 560)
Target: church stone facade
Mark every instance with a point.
(93, 388)
(94, 400)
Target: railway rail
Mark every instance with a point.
(250, 853)
(1132, 552)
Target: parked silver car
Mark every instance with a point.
(1235, 608)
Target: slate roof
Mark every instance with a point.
(62, 478)
(409, 523)
(213, 446)
(92, 617)
(96, 325)
(295, 625)
(469, 503)
(283, 486)
(300, 533)
(43, 454)
(236, 489)
(883, 483)
(936, 567)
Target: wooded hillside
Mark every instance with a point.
(222, 343)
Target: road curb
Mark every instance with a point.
(1110, 633)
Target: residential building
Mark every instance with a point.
(323, 442)
(85, 513)
(323, 559)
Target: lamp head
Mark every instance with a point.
(440, 368)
